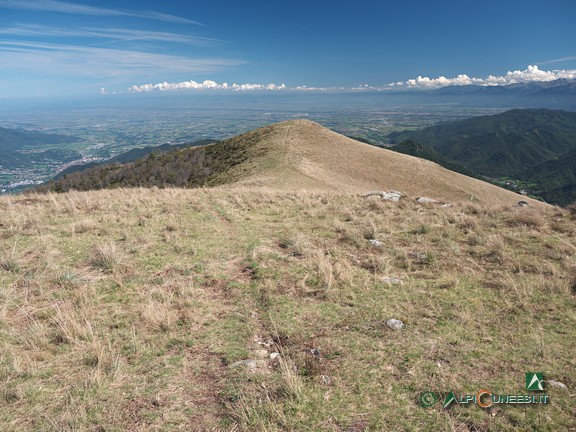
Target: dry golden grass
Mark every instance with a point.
(124, 311)
(303, 155)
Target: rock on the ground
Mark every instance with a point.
(274, 355)
(395, 324)
(522, 204)
(393, 196)
(376, 243)
(426, 200)
(249, 364)
(554, 383)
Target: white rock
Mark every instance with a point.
(554, 383)
(395, 324)
(250, 364)
(393, 196)
(376, 243)
(426, 200)
(274, 355)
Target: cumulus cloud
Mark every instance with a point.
(530, 74)
(204, 85)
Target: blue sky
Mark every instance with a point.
(65, 48)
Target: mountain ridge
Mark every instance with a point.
(291, 155)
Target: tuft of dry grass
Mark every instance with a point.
(528, 219)
(106, 256)
(84, 226)
(9, 260)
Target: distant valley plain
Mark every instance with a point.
(105, 127)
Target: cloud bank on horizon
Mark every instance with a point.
(204, 85)
(56, 48)
(531, 74)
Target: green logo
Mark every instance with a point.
(427, 399)
(534, 381)
(449, 399)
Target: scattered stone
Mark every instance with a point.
(446, 205)
(314, 352)
(554, 383)
(393, 196)
(395, 324)
(274, 355)
(376, 243)
(426, 200)
(250, 364)
(372, 193)
(326, 380)
(522, 204)
(391, 280)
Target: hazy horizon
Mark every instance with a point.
(71, 49)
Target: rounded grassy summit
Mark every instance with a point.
(292, 155)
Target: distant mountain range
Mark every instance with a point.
(558, 94)
(534, 88)
(535, 146)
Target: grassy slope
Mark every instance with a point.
(415, 149)
(123, 310)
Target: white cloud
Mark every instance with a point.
(530, 74)
(204, 85)
(307, 88)
(81, 9)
